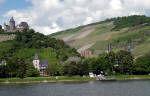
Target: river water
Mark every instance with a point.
(116, 88)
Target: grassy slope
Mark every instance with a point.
(48, 54)
(103, 33)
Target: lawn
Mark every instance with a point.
(46, 79)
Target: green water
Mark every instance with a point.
(116, 88)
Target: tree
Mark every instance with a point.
(83, 68)
(52, 69)
(3, 71)
(31, 71)
(70, 69)
(125, 62)
(13, 67)
(22, 68)
(142, 65)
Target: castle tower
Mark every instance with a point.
(12, 24)
(36, 62)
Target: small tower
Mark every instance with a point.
(109, 47)
(129, 48)
(36, 62)
(12, 24)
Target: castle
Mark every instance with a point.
(12, 27)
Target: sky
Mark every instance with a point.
(50, 16)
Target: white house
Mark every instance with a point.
(39, 65)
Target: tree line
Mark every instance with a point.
(120, 63)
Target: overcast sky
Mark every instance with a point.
(49, 16)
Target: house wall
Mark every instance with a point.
(36, 64)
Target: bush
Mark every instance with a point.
(32, 73)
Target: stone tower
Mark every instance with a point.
(12, 24)
(36, 62)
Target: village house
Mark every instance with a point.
(86, 53)
(3, 63)
(74, 59)
(39, 65)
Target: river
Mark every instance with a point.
(116, 88)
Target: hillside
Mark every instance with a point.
(25, 44)
(121, 32)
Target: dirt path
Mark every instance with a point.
(85, 47)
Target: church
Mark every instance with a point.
(12, 27)
(39, 65)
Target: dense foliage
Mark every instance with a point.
(142, 65)
(18, 68)
(28, 42)
(121, 62)
(19, 53)
(130, 21)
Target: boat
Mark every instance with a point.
(102, 78)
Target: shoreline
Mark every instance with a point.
(69, 79)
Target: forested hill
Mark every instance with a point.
(120, 32)
(27, 43)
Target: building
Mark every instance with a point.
(86, 53)
(39, 65)
(3, 63)
(92, 75)
(74, 59)
(12, 26)
(36, 62)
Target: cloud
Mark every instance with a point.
(49, 16)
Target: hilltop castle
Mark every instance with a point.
(12, 27)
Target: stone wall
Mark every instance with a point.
(4, 37)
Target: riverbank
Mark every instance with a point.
(130, 77)
(70, 79)
(46, 79)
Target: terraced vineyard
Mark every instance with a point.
(122, 32)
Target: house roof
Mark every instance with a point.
(36, 57)
(12, 19)
(23, 24)
(44, 63)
